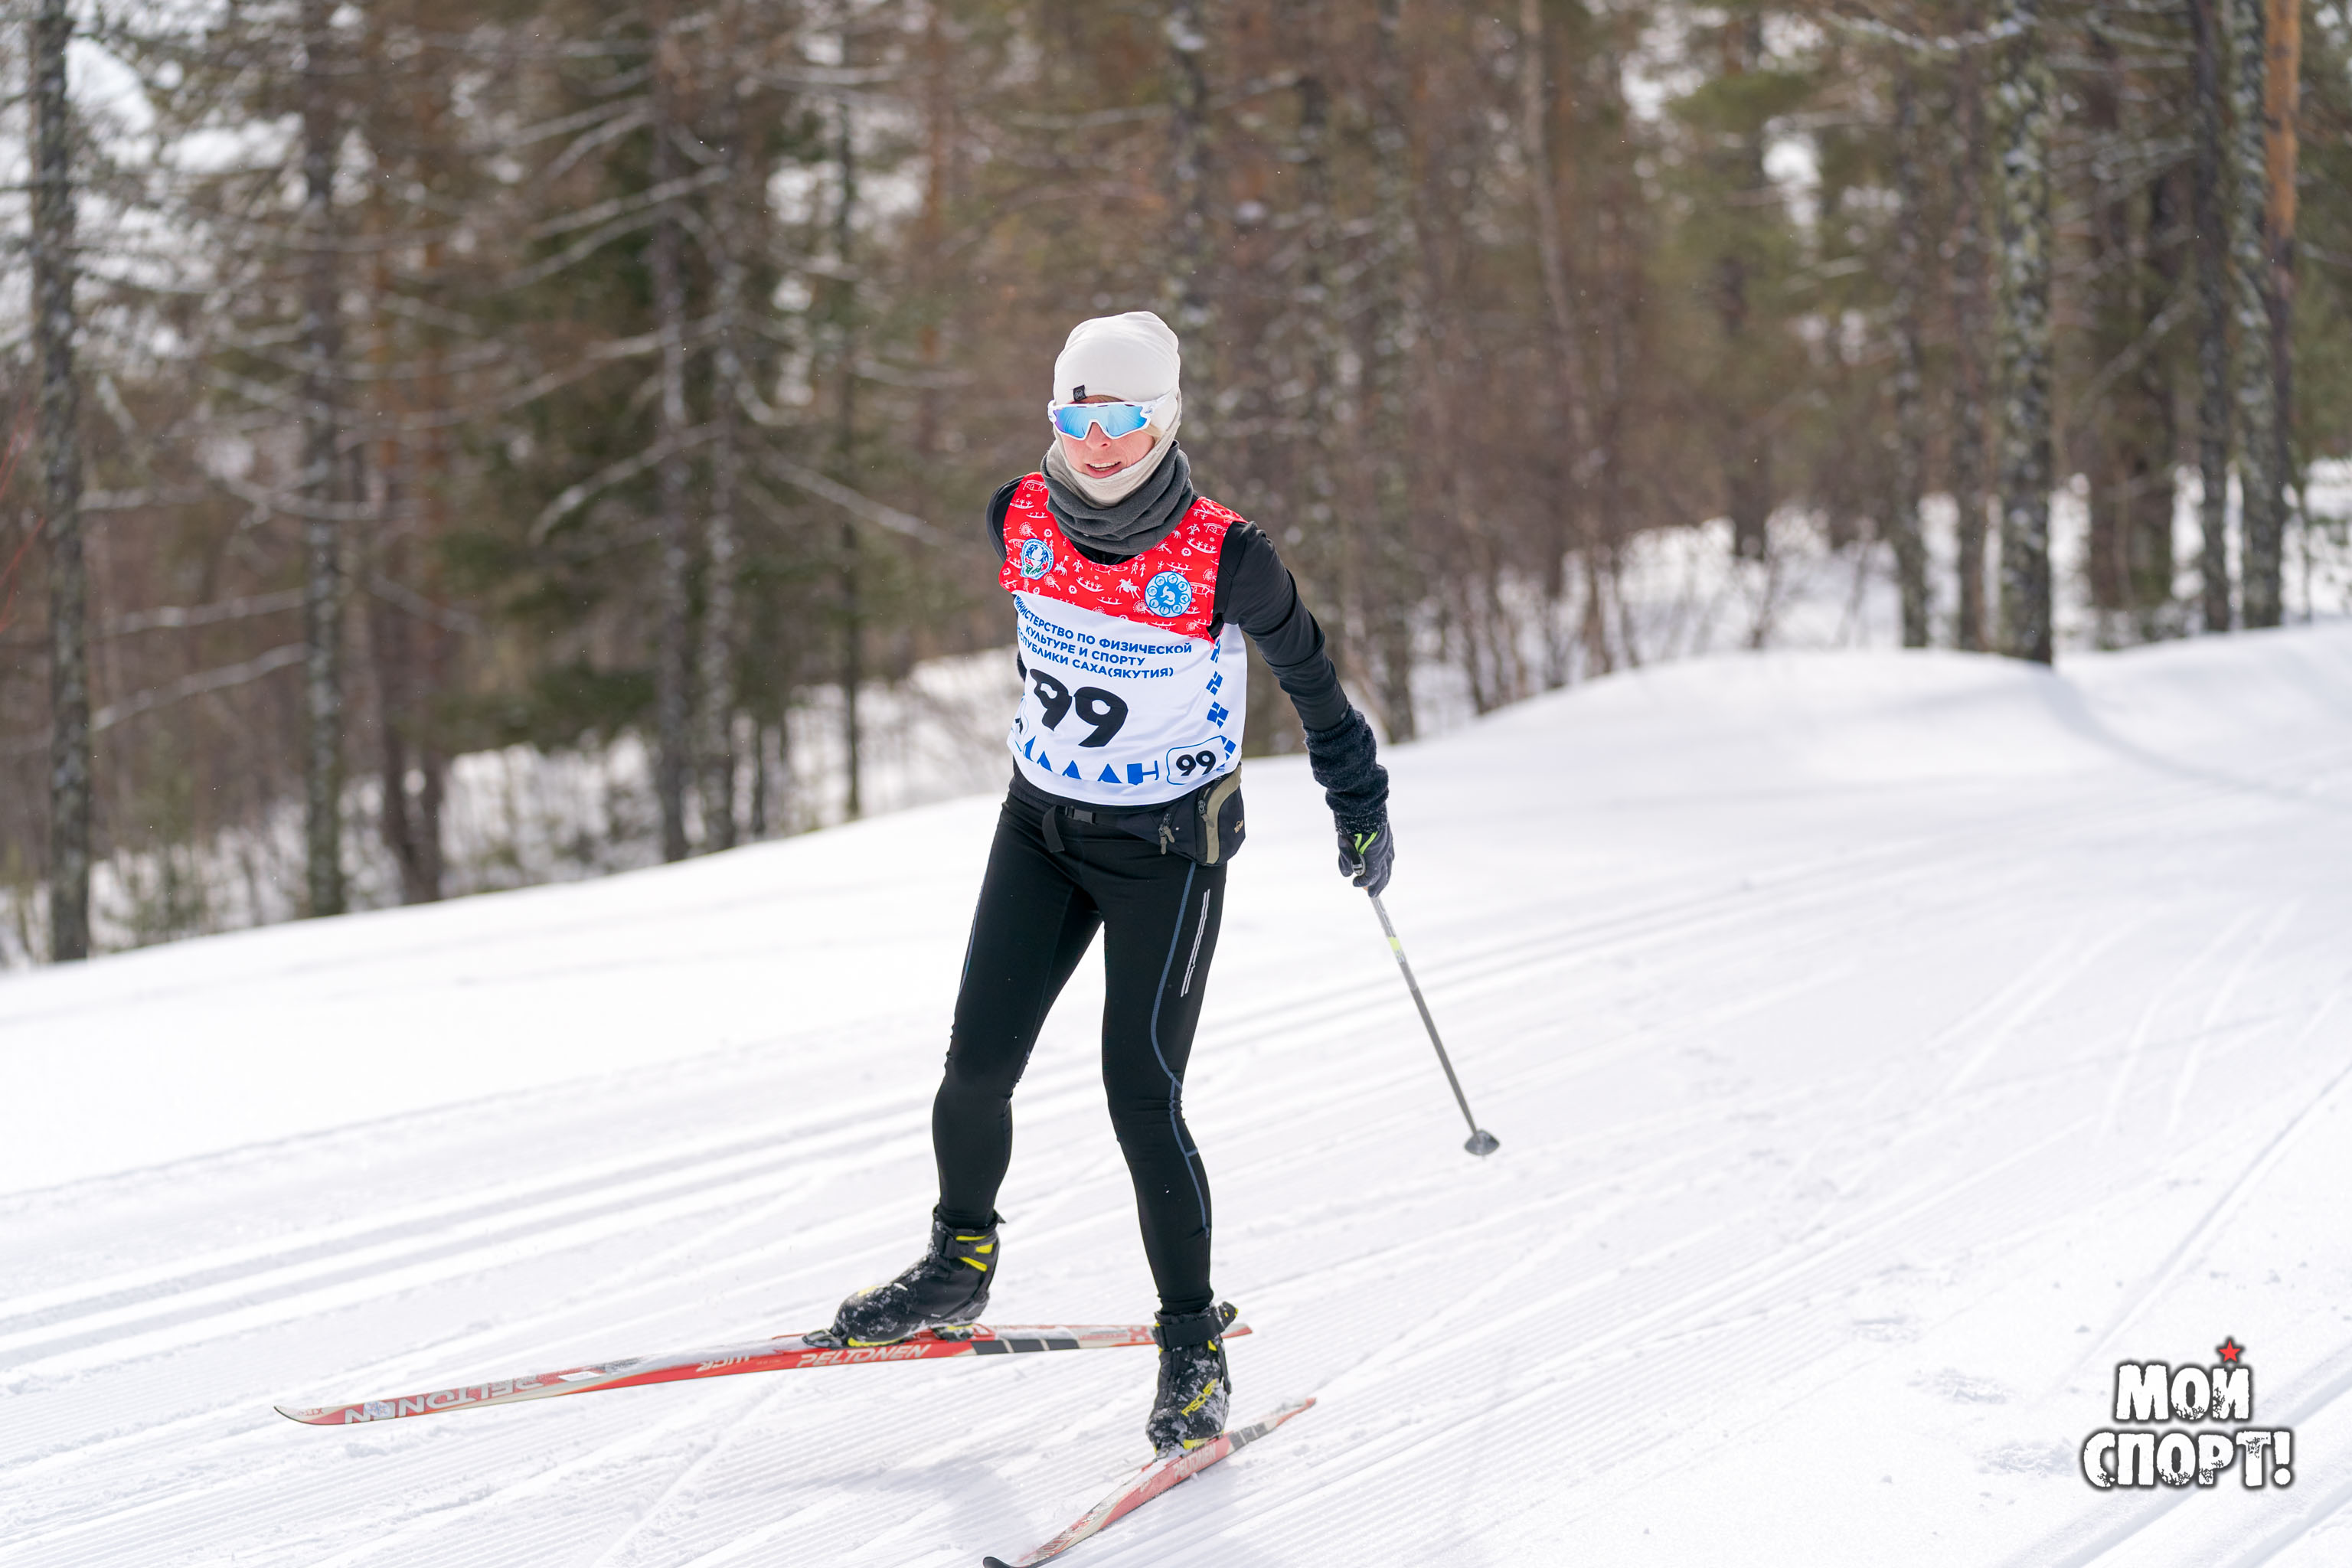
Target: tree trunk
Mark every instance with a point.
(674, 759)
(412, 818)
(403, 647)
(929, 267)
(853, 616)
(1748, 457)
(2104, 436)
(2281, 88)
(1319, 301)
(2212, 318)
(1187, 288)
(2261, 482)
(1389, 326)
(2131, 435)
(324, 464)
(2025, 96)
(2148, 563)
(1910, 353)
(758, 779)
(1570, 470)
(60, 457)
(716, 674)
(1972, 326)
(1620, 264)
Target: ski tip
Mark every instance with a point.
(994, 1563)
(309, 1418)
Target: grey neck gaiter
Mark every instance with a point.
(1133, 524)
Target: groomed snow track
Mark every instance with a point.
(1882, 1048)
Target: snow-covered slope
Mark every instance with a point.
(1882, 1048)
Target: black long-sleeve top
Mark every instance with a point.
(1257, 593)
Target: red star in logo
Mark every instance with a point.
(2230, 1350)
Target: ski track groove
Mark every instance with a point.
(1697, 1271)
(2294, 1531)
(2027, 1197)
(2156, 1001)
(701, 1460)
(241, 1266)
(2249, 1176)
(1670, 922)
(2219, 1005)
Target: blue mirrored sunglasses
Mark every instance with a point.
(1116, 419)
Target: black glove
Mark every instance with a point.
(1345, 759)
(1369, 857)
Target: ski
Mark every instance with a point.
(787, 1352)
(1148, 1482)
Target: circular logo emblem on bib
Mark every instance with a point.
(1036, 558)
(1168, 594)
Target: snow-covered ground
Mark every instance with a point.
(1882, 1046)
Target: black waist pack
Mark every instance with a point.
(1205, 826)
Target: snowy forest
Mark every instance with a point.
(412, 407)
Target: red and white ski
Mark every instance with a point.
(1148, 1482)
(788, 1352)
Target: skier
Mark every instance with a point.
(1131, 594)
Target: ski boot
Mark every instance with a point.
(1194, 1383)
(948, 1288)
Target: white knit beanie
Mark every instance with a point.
(1133, 356)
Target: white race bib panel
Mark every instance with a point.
(1126, 699)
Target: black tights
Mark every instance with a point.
(1038, 911)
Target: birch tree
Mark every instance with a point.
(729, 239)
(2282, 80)
(672, 742)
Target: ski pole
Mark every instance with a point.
(1480, 1141)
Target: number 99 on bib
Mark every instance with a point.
(1191, 764)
